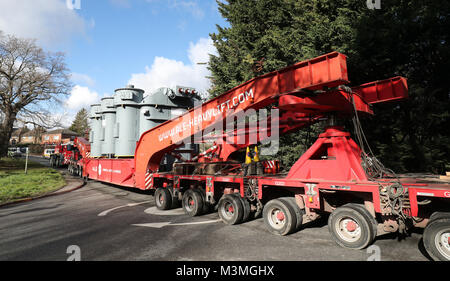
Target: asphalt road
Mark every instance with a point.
(105, 222)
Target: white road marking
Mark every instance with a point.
(104, 213)
(162, 224)
(155, 211)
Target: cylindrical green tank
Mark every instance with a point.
(95, 134)
(126, 130)
(108, 112)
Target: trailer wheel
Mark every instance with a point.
(245, 206)
(206, 206)
(192, 203)
(436, 239)
(163, 199)
(279, 217)
(230, 209)
(351, 228)
(368, 216)
(438, 215)
(175, 201)
(298, 212)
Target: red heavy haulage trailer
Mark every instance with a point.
(64, 155)
(334, 176)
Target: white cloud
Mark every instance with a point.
(199, 52)
(189, 6)
(82, 79)
(49, 21)
(166, 72)
(81, 97)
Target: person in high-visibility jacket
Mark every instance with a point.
(252, 159)
(256, 155)
(248, 156)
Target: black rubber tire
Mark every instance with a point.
(298, 212)
(438, 215)
(206, 206)
(357, 215)
(369, 217)
(196, 208)
(163, 199)
(245, 205)
(175, 201)
(289, 217)
(432, 230)
(230, 217)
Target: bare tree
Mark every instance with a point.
(32, 83)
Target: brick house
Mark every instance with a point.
(28, 138)
(58, 136)
(24, 136)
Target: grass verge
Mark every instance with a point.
(15, 184)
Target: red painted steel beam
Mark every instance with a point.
(329, 70)
(383, 91)
(302, 111)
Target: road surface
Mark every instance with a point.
(105, 222)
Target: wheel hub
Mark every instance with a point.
(442, 242)
(351, 226)
(228, 210)
(277, 218)
(445, 240)
(348, 229)
(280, 216)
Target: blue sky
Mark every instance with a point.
(110, 43)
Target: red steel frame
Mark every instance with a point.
(293, 88)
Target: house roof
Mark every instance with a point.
(62, 131)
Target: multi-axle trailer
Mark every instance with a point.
(334, 176)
